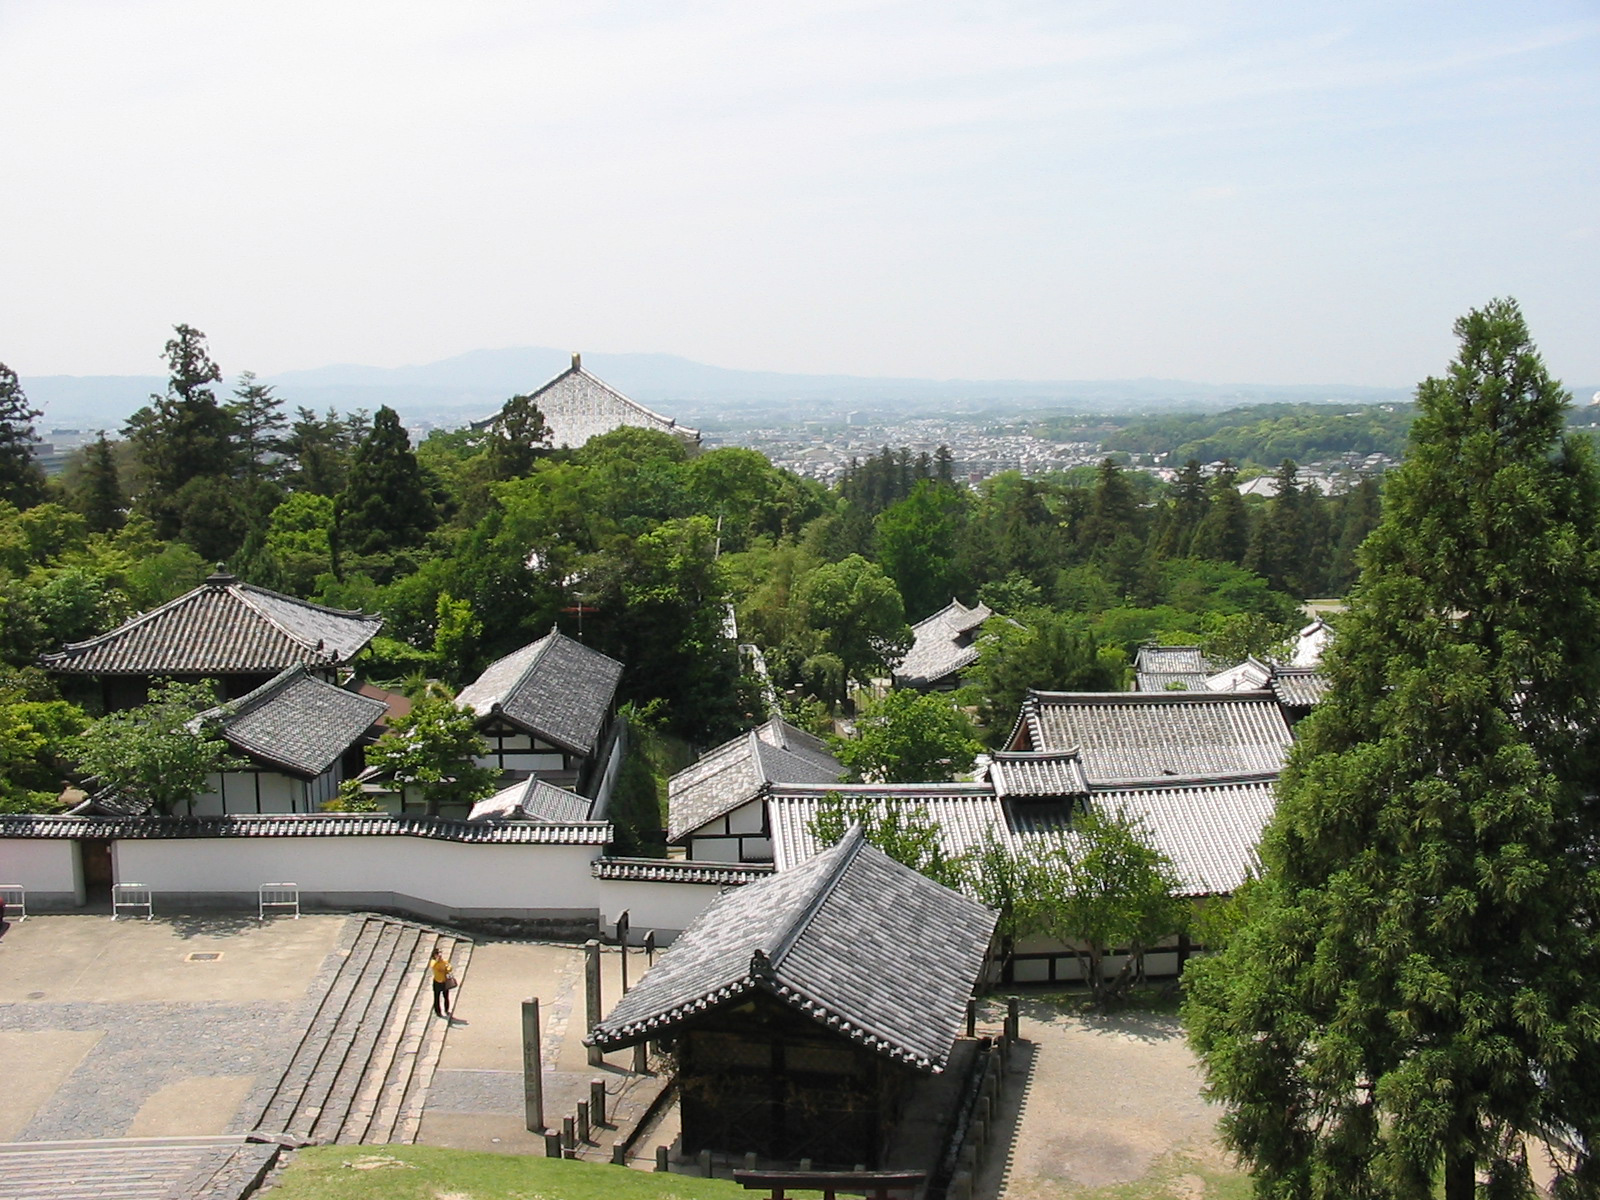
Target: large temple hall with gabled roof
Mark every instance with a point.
(234, 632)
(577, 406)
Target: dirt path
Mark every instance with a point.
(1102, 1100)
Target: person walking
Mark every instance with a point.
(441, 983)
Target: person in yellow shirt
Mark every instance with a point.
(440, 966)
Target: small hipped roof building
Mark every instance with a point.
(706, 800)
(804, 1005)
(546, 709)
(299, 737)
(943, 645)
(224, 629)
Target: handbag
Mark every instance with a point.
(451, 982)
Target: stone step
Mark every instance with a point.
(343, 1032)
(361, 1030)
(414, 1092)
(287, 1098)
(394, 1055)
(125, 1168)
(362, 1069)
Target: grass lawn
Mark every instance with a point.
(1175, 1177)
(428, 1173)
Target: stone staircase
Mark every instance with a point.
(172, 1168)
(362, 1069)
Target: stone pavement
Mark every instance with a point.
(476, 1102)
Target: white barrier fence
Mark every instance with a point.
(280, 897)
(13, 902)
(131, 896)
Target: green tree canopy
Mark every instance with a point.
(910, 737)
(857, 612)
(150, 753)
(431, 748)
(1413, 993)
(1105, 888)
(1047, 651)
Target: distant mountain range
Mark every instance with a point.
(475, 383)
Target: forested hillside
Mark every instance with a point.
(471, 544)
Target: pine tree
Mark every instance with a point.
(182, 435)
(1224, 532)
(98, 494)
(21, 477)
(517, 439)
(1415, 992)
(386, 505)
(258, 422)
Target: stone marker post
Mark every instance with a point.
(532, 1068)
(591, 988)
(622, 944)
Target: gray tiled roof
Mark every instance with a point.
(1209, 828)
(555, 688)
(1154, 735)
(295, 721)
(533, 799)
(736, 771)
(844, 939)
(944, 644)
(1159, 668)
(577, 406)
(1299, 687)
(1057, 773)
(1252, 675)
(679, 870)
(575, 833)
(222, 627)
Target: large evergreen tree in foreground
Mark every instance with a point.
(1413, 1005)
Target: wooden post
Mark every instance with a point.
(641, 1058)
(650, 947)
(569, 1133)
(532, 1068)
(591, 988)
(583, 1121)
(619, 1155)
(1013, 1022)
(552, 1145)
(597, 1101)
(622, 944)
(972, 1016)
(661, 1159)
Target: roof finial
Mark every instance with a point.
(577, 361)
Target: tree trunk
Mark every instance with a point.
(1460, 1175)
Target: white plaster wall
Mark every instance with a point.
(449, 875)
(668, 908)
(40, 864)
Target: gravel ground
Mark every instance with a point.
(1102, 1101)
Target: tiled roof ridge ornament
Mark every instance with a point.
(221, 577)
(761, 966)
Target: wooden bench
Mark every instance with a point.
(875, 1185)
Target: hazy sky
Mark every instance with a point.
(1270, 192)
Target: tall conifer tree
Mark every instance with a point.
(1417, 991)
(387, 504)
(21, 477)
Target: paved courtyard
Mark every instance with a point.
(129, 1029)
